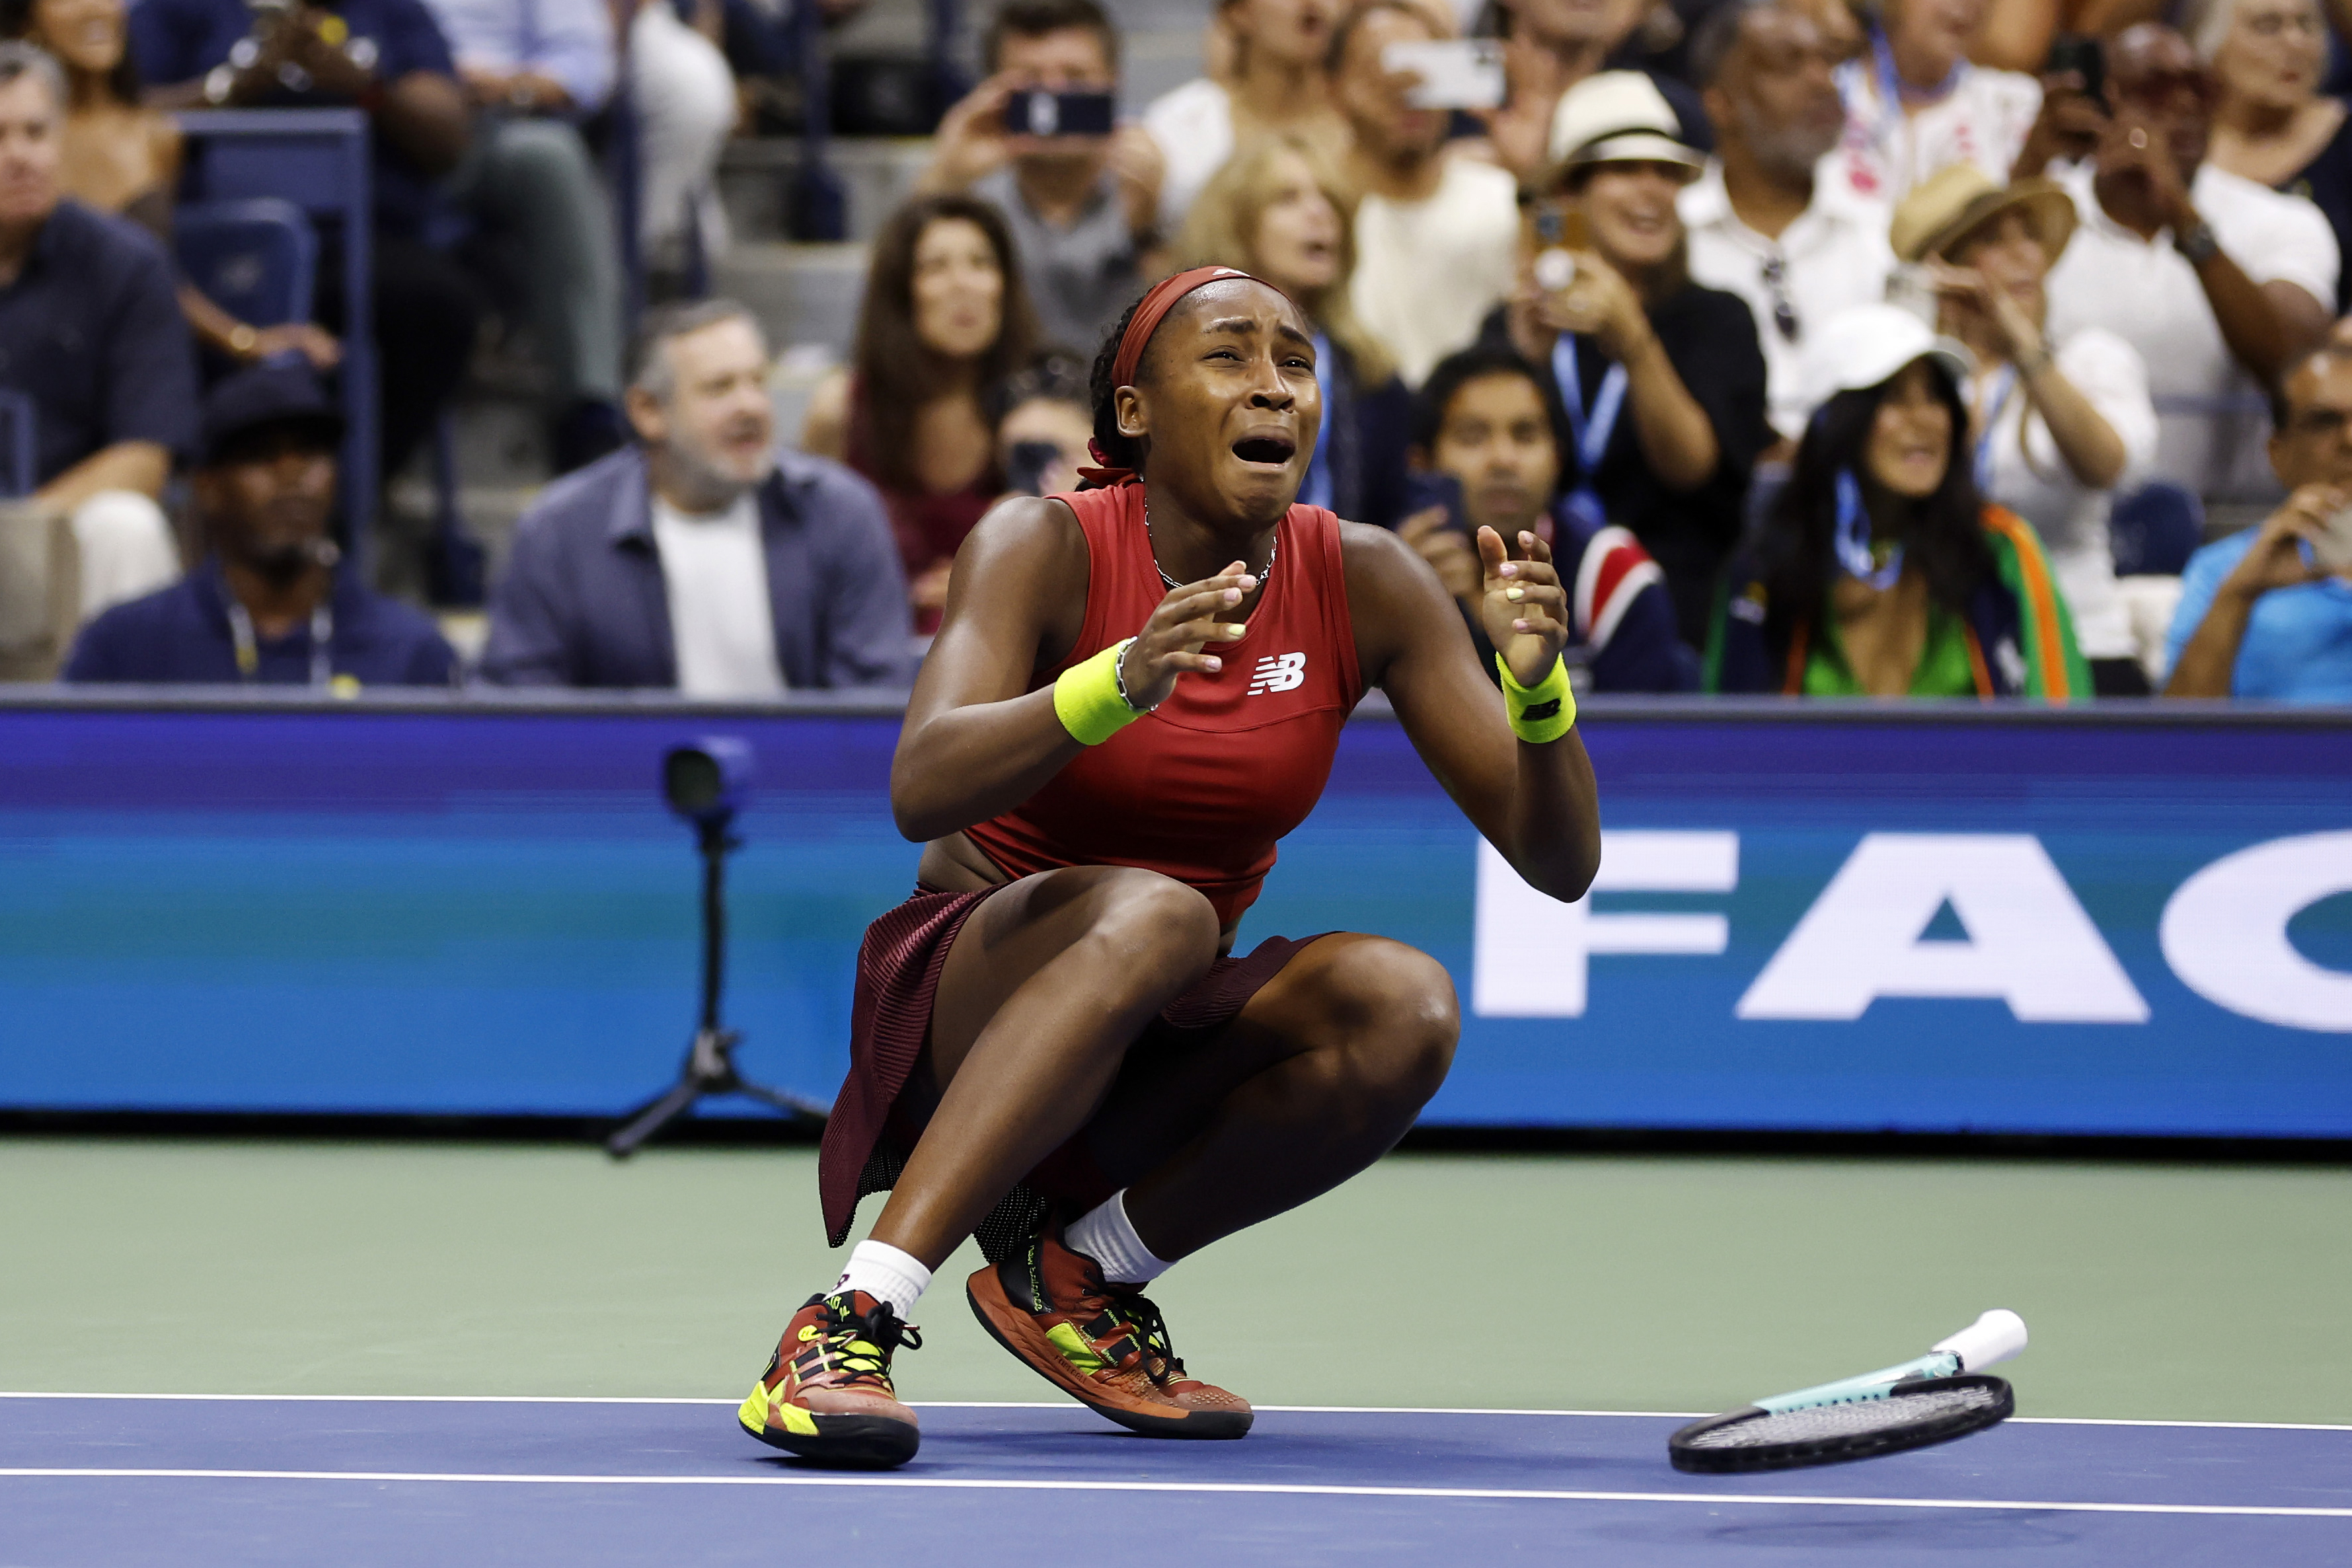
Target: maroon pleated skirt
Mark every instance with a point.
(899, 966)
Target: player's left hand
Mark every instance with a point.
(1524, 607)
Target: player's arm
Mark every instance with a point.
(1536, 804)
(977, 741)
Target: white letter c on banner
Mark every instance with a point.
(2224, 931)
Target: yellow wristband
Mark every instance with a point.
(1543, 711)
(1086, 699)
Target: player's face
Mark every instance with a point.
(30, 147)
(959, 290)
(1911, 439)
(1230, 405)
(1497, 441)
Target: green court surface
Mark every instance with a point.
(1605, 1283)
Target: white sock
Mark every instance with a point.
(1106, 1235)
(887, 1274)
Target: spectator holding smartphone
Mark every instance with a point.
(2267, 612)
(1278, 210)
(1049, 423)
(1881, 570)
(1083, 202)
(1437, 237)
(1483, 441)
(2218, 281)
(1660, 380)
(2056, 426)
(2271, 123)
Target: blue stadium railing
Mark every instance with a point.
(316, 159)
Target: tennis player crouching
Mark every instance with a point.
(1136, 690)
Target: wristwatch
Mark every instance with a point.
(243, 338)
(219, 83)
(2197, 242)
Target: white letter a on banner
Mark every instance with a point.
(2029, 942)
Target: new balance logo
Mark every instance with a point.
(1278, 673)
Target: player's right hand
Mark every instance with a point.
(1189, 620)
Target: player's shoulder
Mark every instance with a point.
(1030, 534)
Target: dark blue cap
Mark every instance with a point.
(285, 391)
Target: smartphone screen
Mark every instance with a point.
(1455, 73)
(2332, 551)
(1427, 487)
(1035, 113)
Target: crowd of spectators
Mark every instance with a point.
(1901, 348)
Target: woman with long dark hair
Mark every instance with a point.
(1139, 687)
(1881, 570)
(945, 323)
(123, 157)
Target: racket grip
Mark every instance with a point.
(1994, 1337)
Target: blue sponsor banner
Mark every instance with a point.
(1805, 920)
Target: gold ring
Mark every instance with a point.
(2138, 137)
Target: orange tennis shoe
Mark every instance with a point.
(826, 1393)
(1105, 1348)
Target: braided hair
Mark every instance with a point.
(1114, 447)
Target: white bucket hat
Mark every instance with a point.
(1868, 344)
(1619, 117)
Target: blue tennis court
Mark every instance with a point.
(197, 1482)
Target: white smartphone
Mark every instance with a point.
(1455, 73)
(2332, 551)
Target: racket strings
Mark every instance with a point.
(1829, 1421)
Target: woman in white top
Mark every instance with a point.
(1276, 84)
(1915, 104)
(2059, 430)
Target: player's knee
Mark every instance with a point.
(1403, 1017)
(1156, 924)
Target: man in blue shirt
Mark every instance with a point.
(387, 57)
(702, 558)
(97, 371)
(2257, 617)
(533, 69)
(1486, 421)
(268, 605)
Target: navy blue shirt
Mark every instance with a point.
(91, 331)
(182, 636)
(174, 41)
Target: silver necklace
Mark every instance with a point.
(1272, 551)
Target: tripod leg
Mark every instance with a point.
(789, 1103)
(653, 1119)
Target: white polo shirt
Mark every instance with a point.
(1427, 272)
(2030, 478)
(1832, 258)
(1982, 120)
(2214, 421)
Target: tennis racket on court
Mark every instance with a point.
(1941, 1396)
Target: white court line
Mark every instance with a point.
(1063, 1405)
(943, 1483)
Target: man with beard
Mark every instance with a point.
(1437, 237)
(267, 604)
(702, 557)
(1797, 249)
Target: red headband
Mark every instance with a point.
(1148, 313)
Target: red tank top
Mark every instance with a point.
(1199, 788)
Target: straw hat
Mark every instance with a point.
(1619, 117)
(1947, 206)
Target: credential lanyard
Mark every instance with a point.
(1590, 434)
(2004, 386)
(248, 646)
(1854, 538)
(1316, 490)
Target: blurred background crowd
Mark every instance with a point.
(1938, 348)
